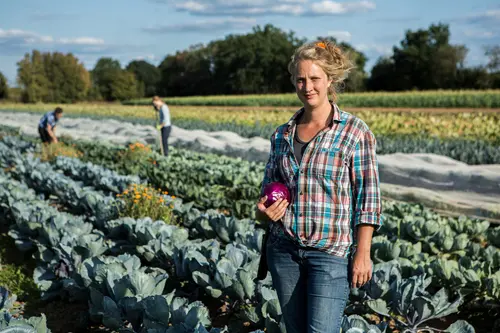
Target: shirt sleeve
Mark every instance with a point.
(51, 120)
(270, 172)
(366, 185)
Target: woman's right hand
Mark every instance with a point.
(274, 212)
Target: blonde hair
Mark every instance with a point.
(332, 60)
(157, 99)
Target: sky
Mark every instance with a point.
(150, 29)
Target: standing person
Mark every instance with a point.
(320, 241)
(165, 124)
(47, 125)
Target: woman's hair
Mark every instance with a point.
(157, 99)
(334, 62)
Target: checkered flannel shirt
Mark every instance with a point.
(334, 188)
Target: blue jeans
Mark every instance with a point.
(312, 286)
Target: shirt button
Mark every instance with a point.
(300, 214)
(302, 171)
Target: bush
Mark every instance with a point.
(51, 151)
(142, 201)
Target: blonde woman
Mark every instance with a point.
(320, 242)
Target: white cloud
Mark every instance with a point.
(150, 57)
(204, 25)
(488, 18)
(341, 36)
(192, 6)
(271, 7)
(328, 7)
(17, 36)
(480, 34)
(379, 49)
(82, 41)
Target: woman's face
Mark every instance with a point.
(311, 83)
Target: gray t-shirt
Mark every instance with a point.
(299, 146)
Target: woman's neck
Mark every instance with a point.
(319, 115)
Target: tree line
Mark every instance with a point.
(253, 63)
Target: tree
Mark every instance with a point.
(68, 80)
(123, 85)
(254, 63)
(424, 60)
(4, 88)
(493, 53)
(473, 78)
(147, 76)
(52, 77)
(31, 77)
(102, 76)
(383, 75)
(188, 73)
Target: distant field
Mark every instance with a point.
(253, 121)
(427, 99)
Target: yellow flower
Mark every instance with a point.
(138, 196)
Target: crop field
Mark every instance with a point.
(188, 263)
(102, 237)
(425, 99)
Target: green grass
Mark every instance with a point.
(16, 274)
(421, 99)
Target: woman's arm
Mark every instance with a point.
(368, 205)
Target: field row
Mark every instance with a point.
(423, 99)
(255, 122)
(471, 259)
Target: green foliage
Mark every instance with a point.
(147, 76)
(424, 60)
(52, 77)
(123, 86)
(141, 201)
(112, 82)
(4, 88)
(437, 262)
(16, 279)
(407, 99)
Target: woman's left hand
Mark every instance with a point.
(361, 269)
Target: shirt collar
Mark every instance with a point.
(336, 116)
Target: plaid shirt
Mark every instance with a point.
(334, 188)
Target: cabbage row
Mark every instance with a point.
(76, 260)
(120, 289)
(72, 261)
(227, 278)
(12, 321)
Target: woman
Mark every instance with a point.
(165, 124)
(327, 159)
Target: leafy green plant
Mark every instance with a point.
(50, 152)
(142, 201)
(18, 282)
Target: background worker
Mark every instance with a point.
(47, 124)
(164, 125)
